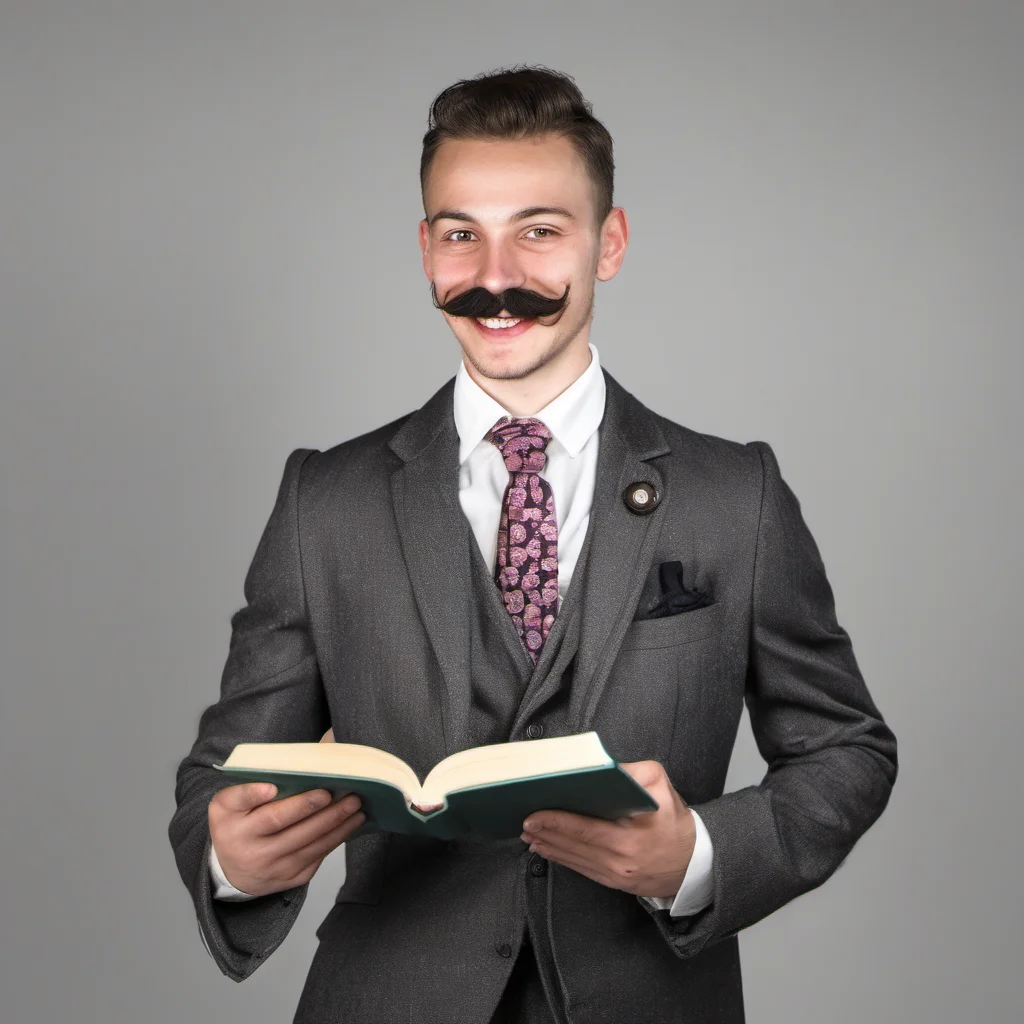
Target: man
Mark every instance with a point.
(532, 553)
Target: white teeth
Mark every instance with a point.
(498, 322)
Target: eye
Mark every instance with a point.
(451, 236)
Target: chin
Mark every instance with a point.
(507, 372)
(515, 362)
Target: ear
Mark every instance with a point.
(425, 247)
(614, 239)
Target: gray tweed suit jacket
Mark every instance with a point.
(356, 619)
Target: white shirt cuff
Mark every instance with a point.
(222, 888)
(697, 889)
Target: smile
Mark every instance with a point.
(503, 326)
(500, 323)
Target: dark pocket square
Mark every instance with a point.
(675, 598)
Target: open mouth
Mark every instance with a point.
(499, 322)
(503, 326)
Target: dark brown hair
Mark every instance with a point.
(518, 102)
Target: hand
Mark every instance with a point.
(266, 847)
(646, 855)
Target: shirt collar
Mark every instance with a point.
(572, 417)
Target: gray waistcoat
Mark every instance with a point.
(501, 672)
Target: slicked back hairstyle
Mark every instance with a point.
(518, 102)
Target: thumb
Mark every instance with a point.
(647, 773)
(328, 737)
(246, 796)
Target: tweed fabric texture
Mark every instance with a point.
(526, 570)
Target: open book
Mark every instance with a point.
(488, 791)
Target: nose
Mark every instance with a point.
(499, 268)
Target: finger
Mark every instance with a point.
(283, 814)
(320, 847)
(617, 873)
(307, 873)
(579, 827)
(583, 867)
(553, 843)
(328, 737)
(612, 864)
(245, 797)
(311, 828)
(609, 856)
(304, 861)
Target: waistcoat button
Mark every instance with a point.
(503, 949)
(539, 867)
(535, 731)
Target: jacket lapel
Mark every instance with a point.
(619, 545)
(433, 531)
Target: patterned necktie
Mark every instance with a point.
(527, 563)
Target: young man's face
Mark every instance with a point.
(517, 215)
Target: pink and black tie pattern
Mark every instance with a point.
(527, 564)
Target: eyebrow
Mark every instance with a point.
(530, 211)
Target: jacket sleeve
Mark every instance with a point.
(831, 758)
(270, 692)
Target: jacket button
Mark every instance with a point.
(539, 867)
(535, 731)
(503, 949)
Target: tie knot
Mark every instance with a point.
(521, 441)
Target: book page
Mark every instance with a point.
(500, 762)
(329, 759)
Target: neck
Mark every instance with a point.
(526, 396)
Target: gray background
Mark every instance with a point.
(208, 218)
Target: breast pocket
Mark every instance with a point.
(672, 630)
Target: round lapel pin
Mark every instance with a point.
(641, 497)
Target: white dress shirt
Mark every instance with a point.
(573, 418)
